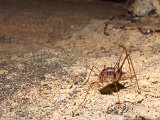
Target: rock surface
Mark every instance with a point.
(43, 80)
(143, 7)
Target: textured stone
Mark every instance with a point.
(143, 7)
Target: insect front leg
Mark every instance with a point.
(85, 97)
(91, 70)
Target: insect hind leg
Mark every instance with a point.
(131, 68)
(134, 74)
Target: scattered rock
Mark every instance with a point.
(21, 113)
(3, 72)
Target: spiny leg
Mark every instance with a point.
(91, 70)
(127, 77)
(131, 63)
(117, 93)
(129, 68)
(120, 66)
(73, 112)
(119, 69)
(128, 62)
(118, 62)
(134, 74)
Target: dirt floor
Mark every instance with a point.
(48, 47)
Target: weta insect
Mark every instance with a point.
(113, 74)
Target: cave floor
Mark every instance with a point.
(47, 49)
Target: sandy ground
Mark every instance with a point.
(46, 48)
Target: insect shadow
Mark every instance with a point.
(111, 88)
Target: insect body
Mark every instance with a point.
(107, 75)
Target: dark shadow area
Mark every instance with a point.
(110, 88)
(27, 25)
(118, 1)
(46, 21)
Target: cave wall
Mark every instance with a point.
(136, 7)
(143, 7)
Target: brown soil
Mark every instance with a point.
(25, 22)
(46, 48)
